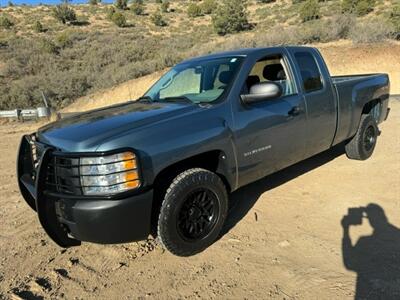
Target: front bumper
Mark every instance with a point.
(70, 220)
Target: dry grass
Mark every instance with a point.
(129, 90)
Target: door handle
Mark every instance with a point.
(295, 111)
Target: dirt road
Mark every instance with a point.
(283, 238)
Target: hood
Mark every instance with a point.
(86, 131)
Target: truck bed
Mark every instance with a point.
(351, 78)
(351, 90)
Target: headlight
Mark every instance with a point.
(109, 174)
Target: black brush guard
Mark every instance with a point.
(31, 173)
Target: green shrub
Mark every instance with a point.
(208, 6)
(110, 12)
(395, 20)
(365, 7)
(309, 10)
(64, 13)
(194, 10)
(158, 20)
(5, 22)
(165, 6)
(64, 40)
(358, 7)
(266, 1)
(118, 19)
(10, 4)
(137, 8)
(159, 1)
(38, 27)
(121, 4)
(230, 17)
(93, 2)
(47, 46)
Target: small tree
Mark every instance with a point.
(266, 1)
(10, 4)
(5, 22)
(194, 10)
(165, 6)
(38, 27)
(158, 20)
(121, 4)
(159, 1)
(64, 13)
(230, 17)
(309, 10)
(208, 6)
(94, 2)
(119, 19)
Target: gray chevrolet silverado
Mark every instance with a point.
(166, 163)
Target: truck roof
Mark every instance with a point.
(239, 52)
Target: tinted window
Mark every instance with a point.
(309, 71)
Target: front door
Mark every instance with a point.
(270, 135)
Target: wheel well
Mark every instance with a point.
(373, 108)
(208, 160)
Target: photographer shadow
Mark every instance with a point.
(375, 258)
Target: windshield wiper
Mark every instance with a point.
(145, 98)
(177, 99)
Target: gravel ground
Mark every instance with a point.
(283, 239)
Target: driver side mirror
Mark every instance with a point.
(261, 92)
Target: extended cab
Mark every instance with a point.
(166, 162)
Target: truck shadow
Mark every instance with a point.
(242, 200)
(375, 258)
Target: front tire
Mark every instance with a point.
(193, 212)
(362, 145)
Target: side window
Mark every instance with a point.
(309, 71)
(271, 68)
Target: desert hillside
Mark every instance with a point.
(69, 51)
(342, 57)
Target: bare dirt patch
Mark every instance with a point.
(282, 240)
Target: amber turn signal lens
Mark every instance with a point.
(130, 164)
(133, 175)
(132, 184)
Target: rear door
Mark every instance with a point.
(320, 99)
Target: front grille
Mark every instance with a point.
(35, 151)
(63, 175)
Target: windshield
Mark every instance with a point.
(198, 82)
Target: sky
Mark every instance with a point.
(36, 2)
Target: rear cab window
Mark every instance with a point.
(309, 72)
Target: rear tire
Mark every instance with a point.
(193, 212)
(362, 145)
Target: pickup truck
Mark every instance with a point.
(165, 164)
